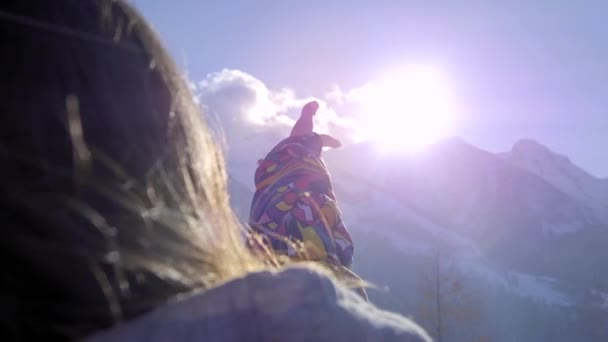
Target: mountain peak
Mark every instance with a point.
(455, 141)
(534, 151)
(530, 147)
(558, 170)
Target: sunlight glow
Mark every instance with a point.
(407, 109)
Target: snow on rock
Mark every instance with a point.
(374, 201)
(559, 171)
(538, 288)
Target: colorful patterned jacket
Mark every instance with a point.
(294, 200)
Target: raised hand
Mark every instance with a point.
(304, 124)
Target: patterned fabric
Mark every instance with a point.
(294, 200)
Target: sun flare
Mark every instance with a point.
(408, 108)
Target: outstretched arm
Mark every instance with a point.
(304, 126)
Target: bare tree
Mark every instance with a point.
(445, 304)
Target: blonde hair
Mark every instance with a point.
(114, 194)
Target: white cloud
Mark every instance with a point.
(254, 117)
(239, 95)
(335, 95)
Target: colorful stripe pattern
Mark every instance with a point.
(294, 199)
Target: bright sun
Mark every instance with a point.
(407, 109)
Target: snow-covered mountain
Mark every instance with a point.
(526, 223)
(560, 172)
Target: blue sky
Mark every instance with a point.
(519, 70)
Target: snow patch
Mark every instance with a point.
(562, 228)
(537, 288)
(383, 204)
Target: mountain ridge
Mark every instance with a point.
(512, 233)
